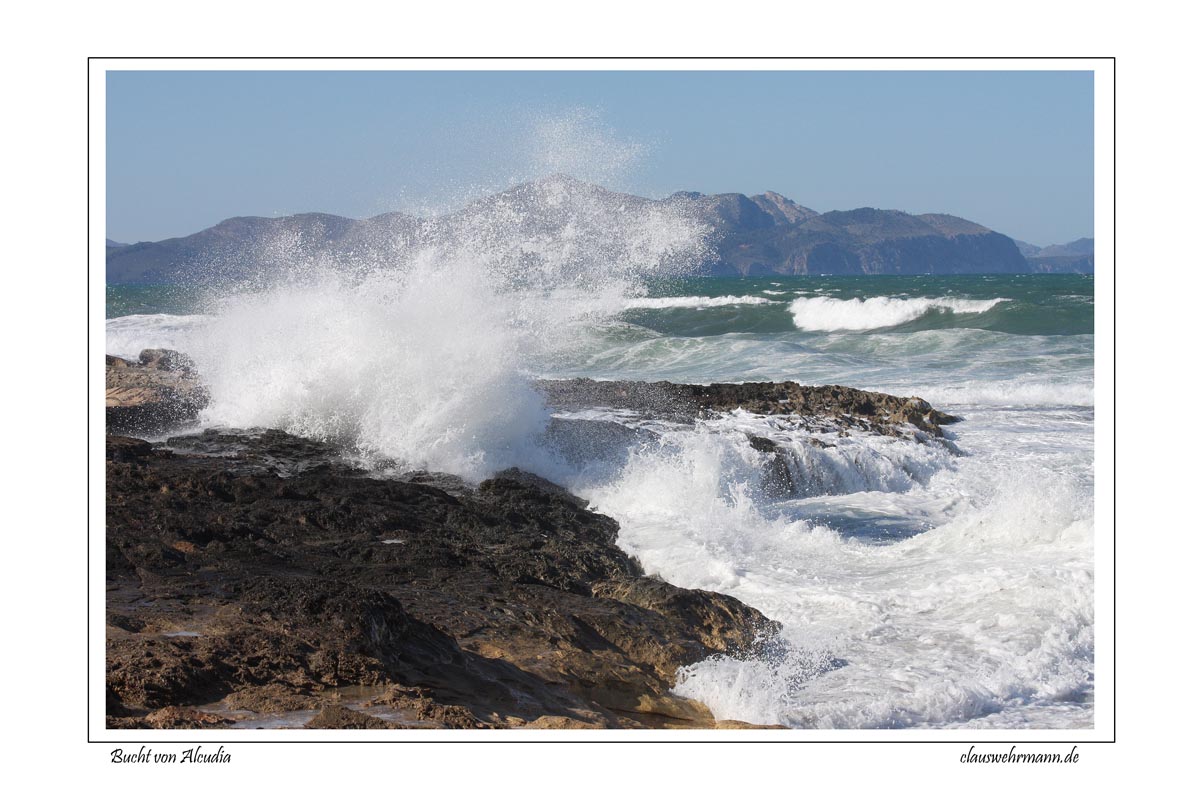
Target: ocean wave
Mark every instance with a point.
(1013, 393)
(856, 314)
(921, 630)
(424, 358)
(128, 336)
(697, 302)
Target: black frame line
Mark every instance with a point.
(239, 742)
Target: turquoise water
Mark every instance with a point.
(999, 340)
(1035, 305)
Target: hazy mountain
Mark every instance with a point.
(751, 235)
(1026, 248)
(1079, 247)
(870, 241)
(1077, 256)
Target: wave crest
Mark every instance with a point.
(697, 302)
(856, 314)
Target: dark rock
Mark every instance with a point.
(417, 702)
(162, 391)
(270, 699)
(842, 405)
(232, 581)
(155, 394)
(592, 443)
(344, 718)
(167, 360)
(173, 717)
(778, 480)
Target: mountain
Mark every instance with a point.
(764, 234)
(868, 241)
(1077, 256)
(1079, 247)
(237, 245)
(1026, 248)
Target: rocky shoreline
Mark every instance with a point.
(841, 407)
(153, 394)
(258, 579)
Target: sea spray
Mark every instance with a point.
(915, 587)
(986, 615)
(424, 355)
(127, 336)
(696, 302)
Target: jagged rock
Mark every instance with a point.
(418, 702)
(158, 392)
(260, 572)
(778, 480)
(844, 406)
(344, 718)
(162, 391)
(174, 717)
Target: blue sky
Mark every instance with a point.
(1010, 150)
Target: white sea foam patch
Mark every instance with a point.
(987, 613)
(856, 314)
(697, 302)
(128, 336)
(1015, 392)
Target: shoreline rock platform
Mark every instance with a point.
(255, 578)
(153, 394)
(506, 604)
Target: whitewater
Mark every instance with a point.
(917, 584)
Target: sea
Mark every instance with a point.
(917, 584)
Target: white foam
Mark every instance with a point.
(424, 356)
(128, 336)
(985, 616)
(697, 302)
(856, 314)
(1013, 393)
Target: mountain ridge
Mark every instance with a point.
(762, 234)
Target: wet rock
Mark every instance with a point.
(234, 580)
(844, 406)
(161, 390)
(270, 699)
(167, 360)
(158, 392)
(424, 708)
(175, 717)
(586, 442)
(554, 723)
(777, 481)
(344, 718)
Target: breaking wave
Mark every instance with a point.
(423, 354)
(857, 314)
(697, 302)
(128, 336)
(980, 608)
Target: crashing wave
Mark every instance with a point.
(856, 314)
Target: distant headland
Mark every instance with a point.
(764, 234)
